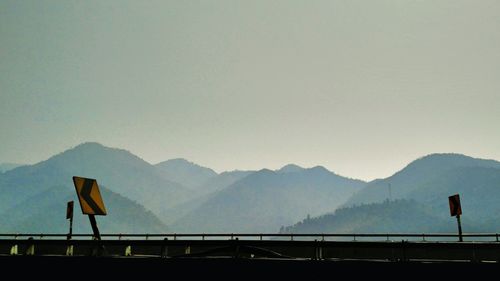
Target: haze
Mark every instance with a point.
(360, 87)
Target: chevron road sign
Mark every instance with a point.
(89, 196)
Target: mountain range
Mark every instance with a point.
(265, 200)
(180, 196)
(117, 169)
(423, 187)
(398, 216)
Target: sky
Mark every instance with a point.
(359, 87)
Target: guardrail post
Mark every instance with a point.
(164, 249)
(69, 250)
(318, 250)
(423, 236)
(291, 237)
(497, 237)
(237, 248)
(128, 251)
(30, 251)
(316, 254)
(187, 250)
(260, 237)
(354, 236)
(387, 237)
(13, 250)
(403, 250)
(474, 259)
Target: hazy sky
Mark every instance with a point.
(360, 87)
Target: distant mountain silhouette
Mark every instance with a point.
(119, 170)
(265, 200)
(479, 189)
(290, 168)
(204, 192)
(45, 213)
(399, 216)
(4, 167)
(186, 173)
(423, 188)
(414, 176)
(223, 180)
(141, 197)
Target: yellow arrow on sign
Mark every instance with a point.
(89, 196)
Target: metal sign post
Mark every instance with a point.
(95, 229)
(92, 204)
(69, 216)
(456, 210)
(459, 229)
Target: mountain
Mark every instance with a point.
(119, 170)
(223, 180)
(204, 193)
(265, 200)
(290, 168)
(399, 216)
(414, 176)
(479, 189)
(186, 173)
(45, 213)
(4, 167)
(427, 182)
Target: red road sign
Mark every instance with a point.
(69, 210)
(455, 207)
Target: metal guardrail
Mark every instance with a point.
(493, 237)
(393, 251)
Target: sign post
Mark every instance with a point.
(91, 203)
(69, 216)
(456, 210)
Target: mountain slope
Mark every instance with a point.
(399, 216)
(222, 180)
(204, 193)
(186, 173)
(265, 200)
(45, 213)
(427, 182)
(416, 174)
(479, 190)
(119, 170)
(4, 167)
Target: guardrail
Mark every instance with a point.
(252, 247)
(492, 237)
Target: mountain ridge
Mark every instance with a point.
(185, 172)
(415, 174)
(118, 169)
(265, 200)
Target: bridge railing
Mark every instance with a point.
(492, 237)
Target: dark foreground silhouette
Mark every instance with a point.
(230, 268)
